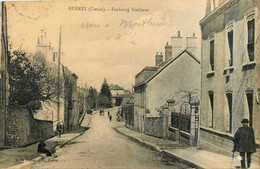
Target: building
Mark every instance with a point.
(230, 86)
(169, 79)
(139, 96)
(115, 91)
(71, 102)
(66, 110)
(4, 77)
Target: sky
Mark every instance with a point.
(102, 39)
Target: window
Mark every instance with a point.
(230, 44)
(211, 109)
(229, 120)
(212, 55)
(251, 37)
(249, 99)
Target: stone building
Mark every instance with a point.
(230, 86)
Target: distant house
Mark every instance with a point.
(230, 88)
(115, 91)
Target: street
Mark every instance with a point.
(102, 147)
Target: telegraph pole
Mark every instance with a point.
(84, 99)
(58, 97)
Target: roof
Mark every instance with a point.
(115, 87)
(224, 5)
(169, 61)
(127, 95)
(148, 68)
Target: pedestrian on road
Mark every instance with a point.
(42, 149)
(108, 113)
(110, 117)
(59, 128)
(244, 141)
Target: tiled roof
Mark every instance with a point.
(115, 87)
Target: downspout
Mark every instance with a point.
(201, 62)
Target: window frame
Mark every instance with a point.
(230, 54)
(247, 104)
(249, 16)
(211, 106)
(212, 68)
(230, 111)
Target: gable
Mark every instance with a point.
(173, 61)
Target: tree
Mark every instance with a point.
(103, 101)
(92, 97)
(23, 81)
(185, 98)
(32, 79)
(48, 81)
(105, 92)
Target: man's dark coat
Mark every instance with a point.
(244, 139)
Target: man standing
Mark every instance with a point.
(244, 140)
(59, 128)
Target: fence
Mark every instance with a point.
(181, 122)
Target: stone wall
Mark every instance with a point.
(128, 111)
(221, 143)
(23, 129)
(154, 126)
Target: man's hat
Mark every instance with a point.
(244, 121)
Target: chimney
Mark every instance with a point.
(191, 44)
(176, 44)
(168, 51)
(38, 41)
(45, 37)
(41, 39)
(41, 36)
(158, 58)
(50, 46)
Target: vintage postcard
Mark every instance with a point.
(130, 84)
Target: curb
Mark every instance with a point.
(137, 140)
(28, 163)
(181, 159)
(163, 152)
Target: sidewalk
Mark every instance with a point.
(22, 157)
(188, 155)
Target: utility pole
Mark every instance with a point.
(58, 97)
(84, 99)
(4, 76)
